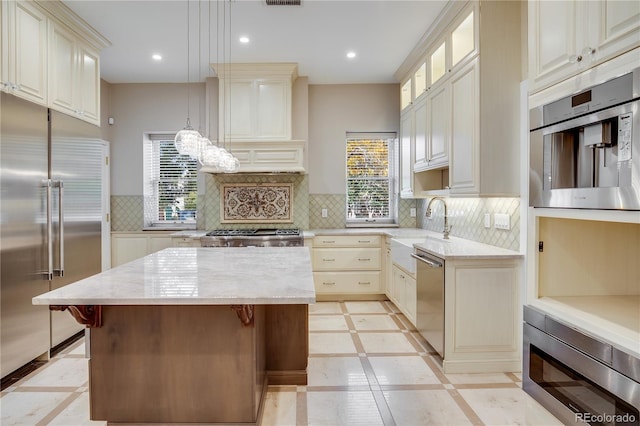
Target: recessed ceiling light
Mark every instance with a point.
(351, 55)
(244, 39)
(156, 57)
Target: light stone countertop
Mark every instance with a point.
(453, 249)
(198, 276)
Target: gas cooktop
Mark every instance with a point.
(251, 232)
(262, 237)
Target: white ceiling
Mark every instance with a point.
(315, 35)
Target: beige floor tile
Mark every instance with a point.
(403, 370)
(365, 307)
(342, 408)
(331, 343)
(386, 343)
(77, 413)
(327, 322)
(374, 322)
(279, 409)
(61, 373)
(428, 407)
(477, 378)
(507, 407)
(78, 350)
(336, 371)
(28, 408)
(325, 308)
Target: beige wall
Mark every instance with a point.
(333, 110)
(140, 108)
(336, 109)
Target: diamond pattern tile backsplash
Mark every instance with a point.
(466, 219)
(466, 215)
(127, 212)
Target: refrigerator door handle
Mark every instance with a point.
(48, 274)
(60, 185)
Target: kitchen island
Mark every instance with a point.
(193, 335)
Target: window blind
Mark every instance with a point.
(370, 195)
(170, 183)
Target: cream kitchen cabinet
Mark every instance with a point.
(414, 184)
(486, 289)
(255, 101)
(346, 266)
(129, 246)
(437, 129)
(51, 57)
(464, 130)
(74, 75)
(568, 37)
(185, 242)
(404, 293)
(24, 51)
(471, 144)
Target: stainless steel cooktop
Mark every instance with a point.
(262, 237)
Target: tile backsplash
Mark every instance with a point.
(209, 210)
(466, 215)
(466, 219)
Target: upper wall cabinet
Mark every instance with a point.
(51, 57)
(24, 51)
(569, 37)
(465, 134)
(74, 75)
(255, 101)
(255, 111)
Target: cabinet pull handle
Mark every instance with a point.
(364, 282)
(328, 260)
(328, 241)
(328, 283)
(365, 260)
(364, 241)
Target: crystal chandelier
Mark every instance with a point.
(189, 141)
(186, 140)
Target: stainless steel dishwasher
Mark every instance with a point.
(430, 289)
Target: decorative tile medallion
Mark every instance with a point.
(250, 202)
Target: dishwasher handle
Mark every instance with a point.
(431, 262)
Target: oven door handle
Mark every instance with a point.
(432, 263)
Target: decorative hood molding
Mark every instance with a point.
(255, 102)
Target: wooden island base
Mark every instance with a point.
(193, 363)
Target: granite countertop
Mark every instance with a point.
(198, 276)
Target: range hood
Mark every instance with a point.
(255, 116)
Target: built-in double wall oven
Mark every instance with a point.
(579, 378)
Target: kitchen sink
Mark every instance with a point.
(401, 250)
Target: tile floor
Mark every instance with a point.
(367, 366)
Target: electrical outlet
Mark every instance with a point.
(412, 212)
(487, 220)
(325, 213)
(502, 221)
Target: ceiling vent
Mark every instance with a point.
(283, 2)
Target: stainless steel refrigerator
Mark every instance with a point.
(50, 222)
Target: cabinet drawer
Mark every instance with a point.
(347, 282)
(346, 259)
(346, 241)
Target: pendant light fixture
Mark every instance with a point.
(187, 140)
(217, 159)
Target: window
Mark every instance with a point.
(170, 184)
(371, 178)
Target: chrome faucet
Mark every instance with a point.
(445, 231)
